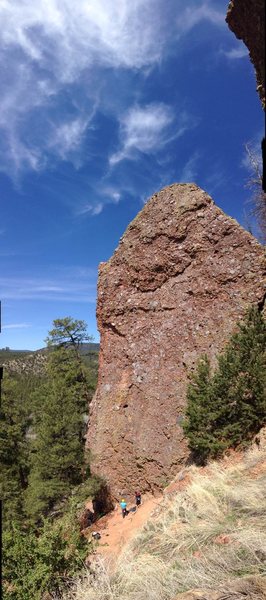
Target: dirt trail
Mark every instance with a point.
(116, 532)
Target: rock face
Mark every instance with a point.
(183, 273)
(246, 18)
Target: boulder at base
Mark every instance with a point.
(181, 277)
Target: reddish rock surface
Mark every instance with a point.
(246, 18)
(183, 273)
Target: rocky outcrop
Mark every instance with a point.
(183, 274)
(32, 364)
(246, 18)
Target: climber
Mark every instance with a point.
(123, 505)
(138, 498)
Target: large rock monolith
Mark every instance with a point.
(182, 276)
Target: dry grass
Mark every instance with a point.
(211, 533)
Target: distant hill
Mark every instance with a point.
(7, 354)
(84, 348)
(90, 347)
(33, 360)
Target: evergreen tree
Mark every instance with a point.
(58, 457)
(58, 461)
(197, 423)
(42, 463)
(228, 408)
(239, 382)
(14, 447)
(70, 334)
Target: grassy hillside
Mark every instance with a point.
(210, 536)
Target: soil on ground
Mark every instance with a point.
(117, 531)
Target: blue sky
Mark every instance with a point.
(104, 102)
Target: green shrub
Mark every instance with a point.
(43, 561)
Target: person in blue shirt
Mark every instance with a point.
(123, 505)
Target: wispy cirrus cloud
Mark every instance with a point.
(194, 14)
(91, 209)
(236, 53)
(108, 195)
(67, 137)
(190, 169)
(146, 129)
(66, 37)
(54, 52)
(16, 326)
(66, 285)
(49, 46)
(215, 178)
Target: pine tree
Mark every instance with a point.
(58, 457)
(58, 461)
(239, 382)
(14, 447)
(46, 464)
(70, 334)
(196, 425)
(229, 407)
